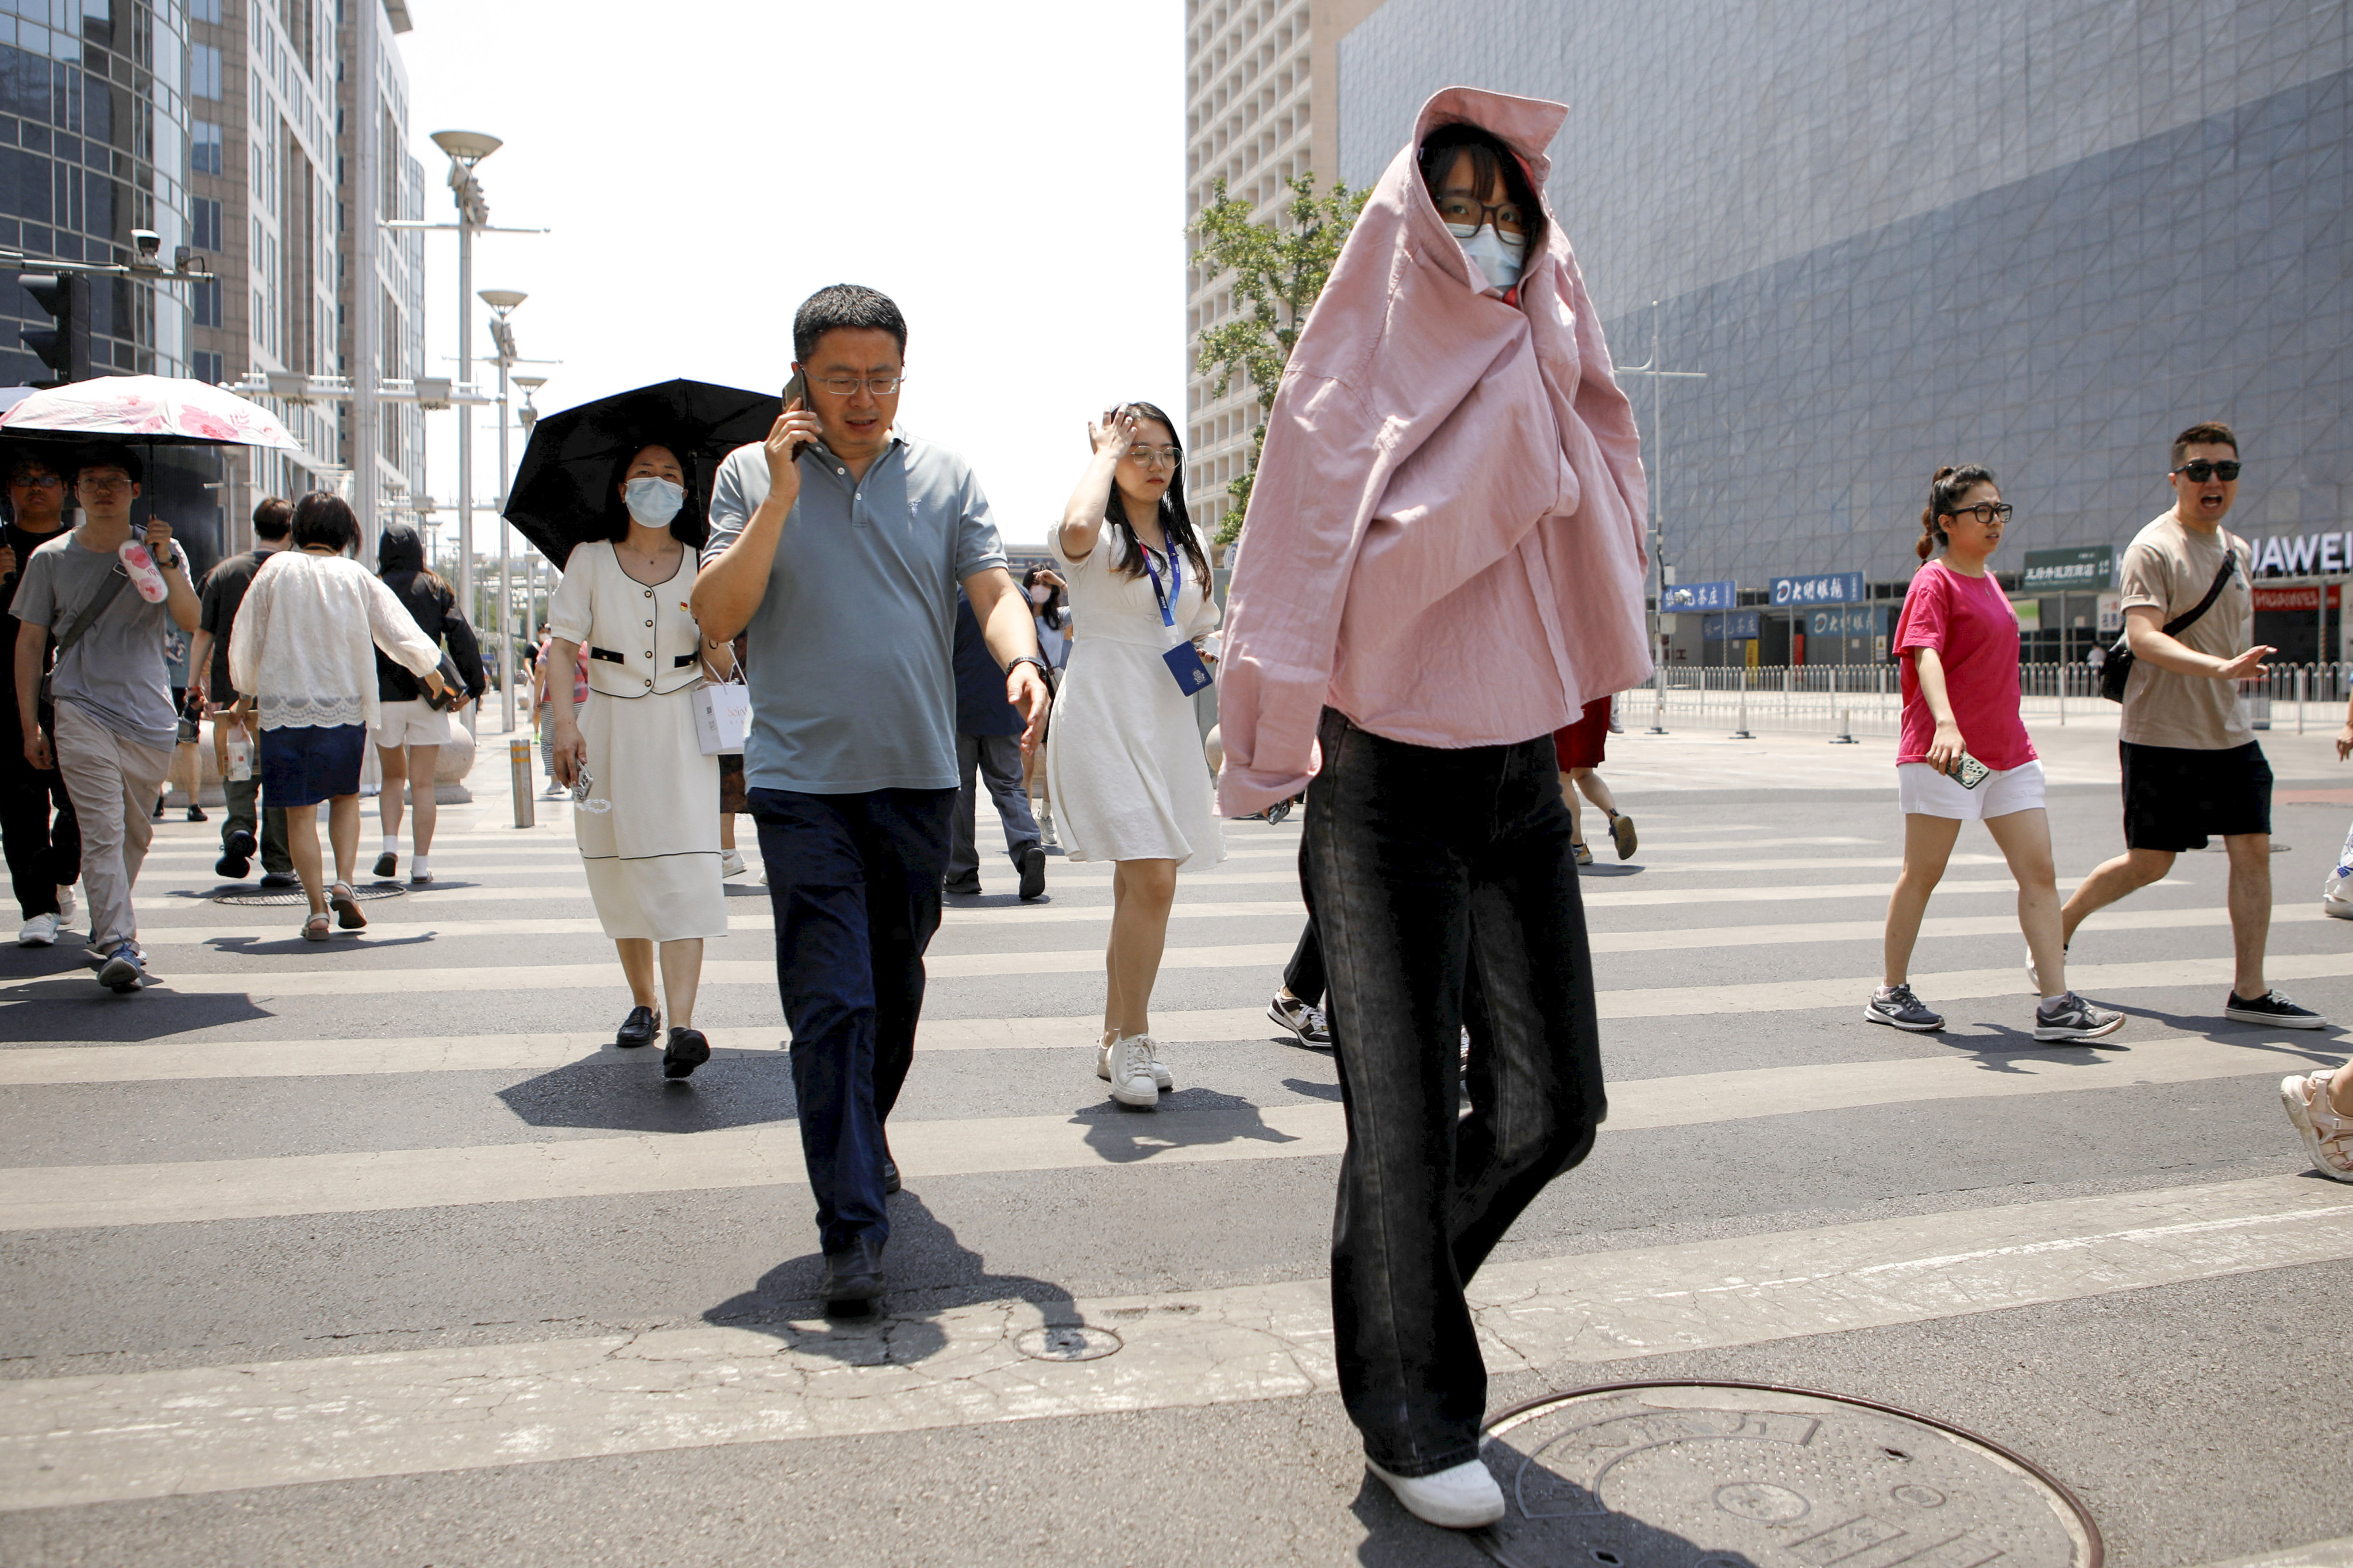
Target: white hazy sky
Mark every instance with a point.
(1012, 176)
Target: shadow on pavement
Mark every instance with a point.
(733, 1089)
(1185, 1119)
(1552, 1521)
(928, 1271)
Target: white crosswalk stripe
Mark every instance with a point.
(108, 1438)
(243, 1014)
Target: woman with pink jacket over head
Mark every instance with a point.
(1443, 565)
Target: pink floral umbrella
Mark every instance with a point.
(162, 410)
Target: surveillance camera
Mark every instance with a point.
(148, 242)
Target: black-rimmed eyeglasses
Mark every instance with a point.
(1987, 512)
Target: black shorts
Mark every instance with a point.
(2175, 798)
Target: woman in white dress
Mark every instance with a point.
(647, 822)
(1123, 755)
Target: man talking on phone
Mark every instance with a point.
(837, 544)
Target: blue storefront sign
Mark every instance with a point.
(1735, 625)
(1852, 621)
(1822, 588)
(1684, 597)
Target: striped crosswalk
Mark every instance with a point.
(1732, 963)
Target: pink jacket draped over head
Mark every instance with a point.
(1445, 535)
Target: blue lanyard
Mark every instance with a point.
(1176, 582)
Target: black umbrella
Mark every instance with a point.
(564, 493)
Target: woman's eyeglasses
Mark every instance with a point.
(1508, 217)
(1986, 511)
(2199, 472)
(1153, 456)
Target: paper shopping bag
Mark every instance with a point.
(723, 716)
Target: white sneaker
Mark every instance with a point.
(1160, 1078)
(2337, 909)
(2328, 1137)
(730, 863)
(41, 931)
(1464, 1498)
(65, 905)
(1125, 1062)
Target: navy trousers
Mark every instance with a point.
(855, 883)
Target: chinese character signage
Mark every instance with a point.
(1684, 597)
(1854, 621)
(1738, 626)
(2087, 569)
(1826, 588)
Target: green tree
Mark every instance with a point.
(1278, 269)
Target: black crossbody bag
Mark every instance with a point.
(2118, 670)
(116, 581)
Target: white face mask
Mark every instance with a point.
(1499, 256)
(653, 502)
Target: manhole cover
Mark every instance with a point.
(362, 892)
(1067, 1342)
(1729, 1475)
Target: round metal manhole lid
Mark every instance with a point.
(297, 896)
(1067, 1342)
(1729, 1475)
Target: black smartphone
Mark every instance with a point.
(796, 389)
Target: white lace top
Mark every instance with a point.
(305, 638)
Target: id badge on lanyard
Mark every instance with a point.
(1184, 661)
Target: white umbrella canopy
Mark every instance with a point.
(147, 408)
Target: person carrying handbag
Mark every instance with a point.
(412, 724)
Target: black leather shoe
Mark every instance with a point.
(235, 867)
(965, 888)
(638, 1028)
(387, 865)
(687, 1050)
(280, 880)
(238, 844)
(890, 1175)
(1033, 871)
(853, 1277)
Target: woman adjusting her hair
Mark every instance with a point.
(1442, 566)
(1964, 756)
(1123, 755)
(647, 818)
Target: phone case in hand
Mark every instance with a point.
(1970, 772)
(1184, 662)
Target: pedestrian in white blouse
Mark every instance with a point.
(304, 644)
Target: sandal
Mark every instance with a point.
(315, 929)
(346, 906)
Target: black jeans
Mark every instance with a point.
(854, 880)
(997, 760)
(43, 855)
(1303, 975)
(1443, 889)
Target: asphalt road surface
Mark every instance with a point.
(375, 1253)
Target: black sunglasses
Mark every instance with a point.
(2199, 472)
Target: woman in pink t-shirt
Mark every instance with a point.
(1964, 756)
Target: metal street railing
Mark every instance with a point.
(1867, 699)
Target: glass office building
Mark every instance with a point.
(2043, 237)
(94, 143)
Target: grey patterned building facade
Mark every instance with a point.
(2040, 235)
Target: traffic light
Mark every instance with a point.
(64, 348)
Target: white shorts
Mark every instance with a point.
(1925, 792)
(418, 723)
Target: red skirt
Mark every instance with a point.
(1579, 745)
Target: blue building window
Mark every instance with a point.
(204, 147)
(204, 71)
(205, 224)
(207, 366)
(206, 300)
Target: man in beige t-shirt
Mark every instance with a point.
(2192, 766)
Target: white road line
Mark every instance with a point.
(406, 924)
(106, 1438)
(362, 1181)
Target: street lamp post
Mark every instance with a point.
(466, 149)
(1659, 518)
(503, 303)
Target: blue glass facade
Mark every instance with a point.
(2040, 237)
(93, 140)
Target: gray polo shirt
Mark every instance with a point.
(851, 651)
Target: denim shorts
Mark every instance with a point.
(306, 765)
